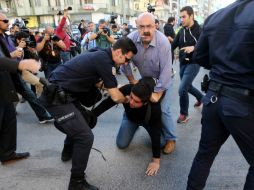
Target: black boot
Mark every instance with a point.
(80, 184)
(66, 152)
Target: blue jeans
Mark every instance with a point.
(168, 126)
(225, 117)
(126, 132)
(65, 56)
(128, 128)
(188, 72)
(33, 101)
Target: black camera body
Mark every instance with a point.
(30, 43)
(54, 38)
(105, 30)
(112, 19)
(150, 8)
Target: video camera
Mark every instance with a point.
(112, 18)
(61, 13)
(22, 24)
(30, 43)
(150, 8)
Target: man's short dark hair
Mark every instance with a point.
(188, 9)
(125, 24)
(114, 26)
(126, 44)
(157, 21)
(171, 19)
(144, 88)
(20, 35)
(101, 21)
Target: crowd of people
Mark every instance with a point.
(74, 83)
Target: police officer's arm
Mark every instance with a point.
(201, 52)
(175, 42)
(117, 96)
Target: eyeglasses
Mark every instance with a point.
(5, 21)
(142, 27)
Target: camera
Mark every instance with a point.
(22, 24)
(61, 13)
(150, 8)
(54, 38)
(30, 43)
(112, 18)
(105, 30)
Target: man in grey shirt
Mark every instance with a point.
(153, 60)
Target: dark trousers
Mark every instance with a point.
(8, 129)
(29, 95)
(69, 120)
(219, 120)
(49, 68)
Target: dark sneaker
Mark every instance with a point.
(46, 120)
(81, 184)
(183, 119)
(197, 104)
(66, 153)
(15, 157)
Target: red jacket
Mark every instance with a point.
(63, 35)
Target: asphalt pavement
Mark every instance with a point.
(123, 169)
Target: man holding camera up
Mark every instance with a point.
(49, 47)
(102, 35)
(61, 32)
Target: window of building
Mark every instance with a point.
(68, 2)
(113, 3)
(37, 3)
(82, 2)
(58, 3)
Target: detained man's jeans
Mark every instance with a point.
(128, 128)
(188, 72)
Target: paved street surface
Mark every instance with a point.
(123, 169)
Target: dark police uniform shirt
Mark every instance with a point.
(81, 73)
(226, 45)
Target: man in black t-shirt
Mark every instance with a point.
(74, 86)
(49, 47)
(138, 112)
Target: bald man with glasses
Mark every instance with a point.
(154, 60)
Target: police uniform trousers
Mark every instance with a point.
(8, 129)
(227, 116)
(69, 120)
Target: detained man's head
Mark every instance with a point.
(146, 27)
(141, 92)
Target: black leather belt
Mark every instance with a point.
(241, 94)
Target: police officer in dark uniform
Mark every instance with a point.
(226, 47)
(8, 121)
(73, 84)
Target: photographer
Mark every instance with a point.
(186, 39)
(49, 47)
(102, 35)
